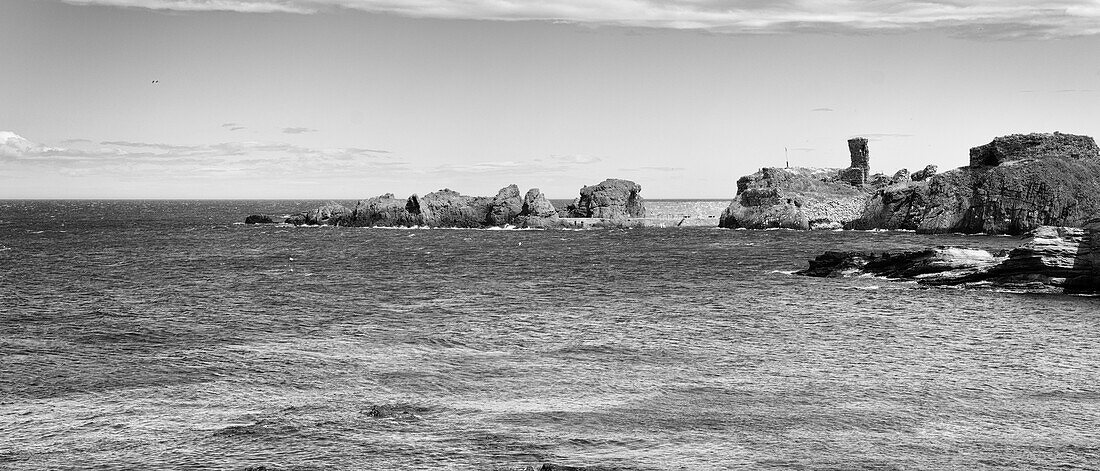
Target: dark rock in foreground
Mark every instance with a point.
(258, 219)
(1053, 259)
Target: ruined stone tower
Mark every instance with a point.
(861, 156)
(861, 162)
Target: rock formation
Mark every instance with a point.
(329, 214)
(1014, 184)
(793, 198)
(537, 211)
(610, 199)
(387, 211)
(258, 219)
(443, 208)
(1052, 259)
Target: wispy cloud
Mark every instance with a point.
(233, 126)
(537, 166)
(653, 169)
(298, 130)
(227, 159)
(977, 18)
(823, 109)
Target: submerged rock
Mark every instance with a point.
(1053, 258)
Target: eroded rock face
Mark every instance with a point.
(1039, 184)
(506, 206)
(925, 174)
(1033, 146)
(537, 211)
(449, 208)
(1052, 259)
(793, 198)
(329, 214)
(610, 199)
(387, 211)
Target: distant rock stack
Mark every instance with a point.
(861, 162)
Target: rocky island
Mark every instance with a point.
(613, 202)
(1012, 185)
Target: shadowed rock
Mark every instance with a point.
(387, 211)
(1052, 259)
(258, 219)
(537, 211)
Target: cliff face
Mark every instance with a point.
(1014, 184)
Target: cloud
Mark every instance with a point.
(297, 130)
(1004, 19)
(823, 109)
(654, 169)
(227, 159)
(537, 166)
(233, 126)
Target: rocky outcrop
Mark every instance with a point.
(925, 174)
(793, 198)
(443, 208)
(1052, 259)
(387, 211)
(1015, 184)
(506, 206)
(330, 214)
(258, 219)
(537, 211)
(1017, 147)
(610, 199)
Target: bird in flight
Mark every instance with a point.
(156, 81)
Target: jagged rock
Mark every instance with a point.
(1053, 258)
(537, 211)
(296, 219)
(448, 208)
(387, 211)
(258, 219)
(330, 214)
(1043, 183)
(941, 261)
(1033, 146)
(901, 175)
(925, 174)
(506, 206)
(610, 199)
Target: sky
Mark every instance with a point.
(347, 99)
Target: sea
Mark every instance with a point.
(169, 335)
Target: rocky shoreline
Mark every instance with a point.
(1012, 185)
(1053, 259)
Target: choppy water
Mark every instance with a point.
(162, 335)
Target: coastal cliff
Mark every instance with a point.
(1058, 259)
(1012, 185)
